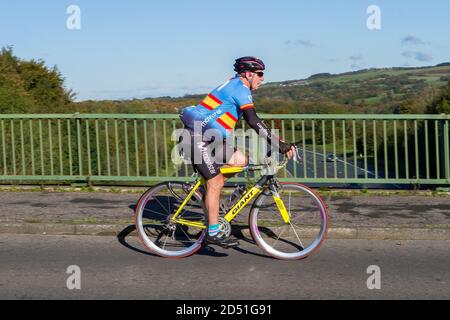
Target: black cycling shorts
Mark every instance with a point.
(207, 159)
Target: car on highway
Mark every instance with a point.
(331, 157)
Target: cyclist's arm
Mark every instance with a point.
(261, 128)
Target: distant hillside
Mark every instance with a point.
(393, 90)
(389, 90)
(436, 72)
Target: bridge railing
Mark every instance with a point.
(118, 148)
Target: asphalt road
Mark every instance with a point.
(34, 267)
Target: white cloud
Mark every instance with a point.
(357, 57)
(418, 55)
(301, 43)
(413, 41)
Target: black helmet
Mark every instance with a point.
(248, 64)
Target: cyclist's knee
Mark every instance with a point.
(216, 183)
(238, 160)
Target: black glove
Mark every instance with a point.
(284, 147)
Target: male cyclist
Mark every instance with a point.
(219, 112)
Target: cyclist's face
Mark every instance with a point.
(255, 79)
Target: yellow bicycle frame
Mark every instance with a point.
(185, 222)
(236, 209)
(245, 199)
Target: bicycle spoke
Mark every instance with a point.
(148, 230)
(186, 234)
(275, 213)
(161, 205)
(273, 245)
(289, 212)
(295, 220)
(152, 211)
(301, 244)
(298, 215)
(181, 215)
(155, 224)
(168, 203)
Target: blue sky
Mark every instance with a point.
(141, 48)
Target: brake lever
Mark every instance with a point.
(297, 156)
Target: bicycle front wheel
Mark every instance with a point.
(302, 235)
(158, 232)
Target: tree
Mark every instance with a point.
(12, 94)
(30, 86)
(442, 103)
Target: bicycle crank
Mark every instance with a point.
(225, 226)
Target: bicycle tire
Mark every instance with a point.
(266, 222)
(152, 220)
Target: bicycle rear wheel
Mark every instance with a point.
(155, 228)
(302, 235)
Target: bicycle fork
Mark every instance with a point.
(280, 204)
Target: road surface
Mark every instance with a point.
(35, 267)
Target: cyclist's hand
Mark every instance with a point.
(290, 153)
(287, 149)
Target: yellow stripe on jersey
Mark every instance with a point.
(228, 120)
(211, 103)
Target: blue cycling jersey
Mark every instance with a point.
(221, 109)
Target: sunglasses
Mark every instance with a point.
(260, 74)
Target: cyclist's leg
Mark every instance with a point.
(207, 165)
(233, 158)
(212, 198)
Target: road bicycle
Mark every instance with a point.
(287, 221)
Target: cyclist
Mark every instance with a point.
(219, 112)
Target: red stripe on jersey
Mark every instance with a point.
(231, 116)
(206, 106)
(223, 124)
(247, 106)
(214, 98)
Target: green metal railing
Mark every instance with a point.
(95, 148)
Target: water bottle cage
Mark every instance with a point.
(235, 195)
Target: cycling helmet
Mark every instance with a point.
(248, 64)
